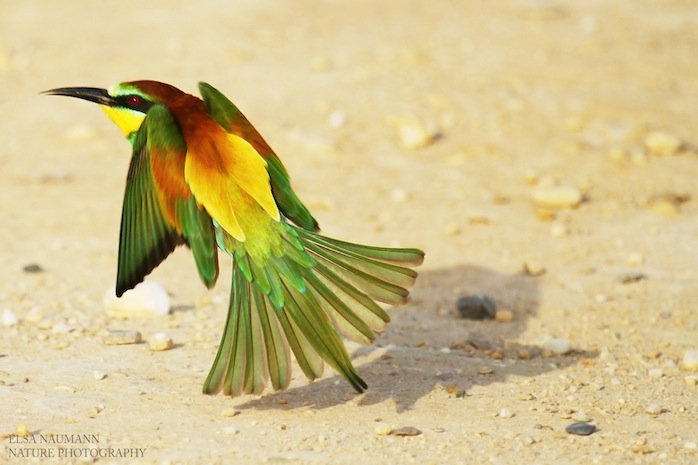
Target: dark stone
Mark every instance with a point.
(476, 308)
(632, 277)
(581, 428)
(32, 268)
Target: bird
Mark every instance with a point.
(202, 176)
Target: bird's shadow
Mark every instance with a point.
(428, 347)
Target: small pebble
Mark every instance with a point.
(120, 337)
(557, 197)
(635, 259)
(690, 360)
(452, 230)
(581, 428)
(60, 328)
(477, 307)
(479, 343)
(506, 412)
(532, 268)
(98, 375)
(406, 431)
(383, 430)
(337, 119)
(558, 346)
(146, 299)
(662, 143)
(654, 409)
(580, 416)
(160, 342)
(667, 204)
(9, 318)
(632, 277)
(691, 380)
(22, 430)
(32, 268)
(413, 134)
(655, 373)
(230, 430)
(690, 445)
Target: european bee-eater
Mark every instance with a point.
(201, 175)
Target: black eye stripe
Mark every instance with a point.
(140, 104)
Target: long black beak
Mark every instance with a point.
(92, 94)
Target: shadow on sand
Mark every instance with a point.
(428, 346)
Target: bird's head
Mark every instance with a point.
(127, 103)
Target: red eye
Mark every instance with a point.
(135, 100)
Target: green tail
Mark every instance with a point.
(300, 298)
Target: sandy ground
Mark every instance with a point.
(519, 96)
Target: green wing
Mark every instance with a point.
(159, 212)
(147, 237)
(232, 120)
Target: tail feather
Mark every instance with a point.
(303, 296)
(317, 327)
(344, 319)
(361, 304)
(307, 358)
(275, 342)
(398, 256)
(228, 368)
(392, 273)
(375, 287)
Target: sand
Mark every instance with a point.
(439, 125)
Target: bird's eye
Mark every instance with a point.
(135, 100)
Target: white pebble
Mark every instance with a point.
(9, 318)
(146, 299)
(160, 342)
(99, 375)
(581, 415)
(414, 134)
(691, 380)
(662, 143)
(558, 346)
(337, 119)
(691, 445)
(655, 373)
(557, 197)
(690, 360)
(60, 328)
(383, 430)
(506, 412)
